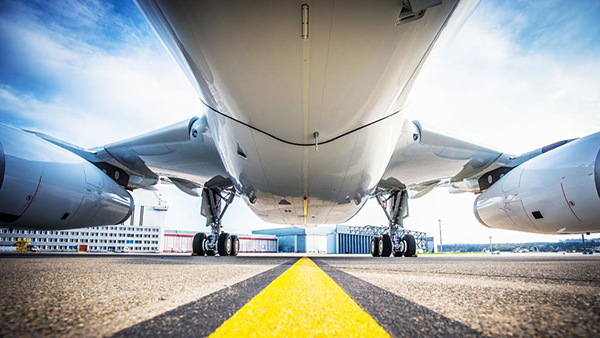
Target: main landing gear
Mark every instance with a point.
(217, 242)
(396, 242)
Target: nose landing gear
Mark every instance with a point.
(396, 241)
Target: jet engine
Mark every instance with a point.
(555, 192)
(43, 186)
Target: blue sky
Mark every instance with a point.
(562, 28)
(107, 27)
(519, 75)
(70, 64)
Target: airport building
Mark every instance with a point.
(291, 239)
(347, 239)
(120, 238)
(430, 246)
(111, 238)
(181, 241)
(343, 239)
(350, 240)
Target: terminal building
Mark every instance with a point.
(111, 238)
(120, 238)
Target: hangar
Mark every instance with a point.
(291, 239)
(343, 239)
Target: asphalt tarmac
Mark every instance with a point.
(102, 295)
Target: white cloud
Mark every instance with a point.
(99, 95)
(487, 87)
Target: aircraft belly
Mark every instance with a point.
(249, 61)
(303, 185)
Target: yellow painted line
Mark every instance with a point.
(302, 302)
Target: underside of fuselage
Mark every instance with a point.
(304, 99)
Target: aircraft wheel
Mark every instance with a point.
(375, 246)
(385, 246)
(411, 246)
(210, 252)
(224, 244)
(198, 244)
(235, 245)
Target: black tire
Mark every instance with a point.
(198, 248)
(385, 246)
(411, 246)
(224, 244)
(375, 246)
(398, 253)
(210, 252)
(235, 245)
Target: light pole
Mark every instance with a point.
(491, 251)
(441, 243)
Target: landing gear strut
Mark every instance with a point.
(395, 205)
(218, 241)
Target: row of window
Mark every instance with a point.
(52, 239)
(79, 233)
(139, 228)
(97, 248)
(78, 240)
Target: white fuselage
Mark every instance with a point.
(268, 90)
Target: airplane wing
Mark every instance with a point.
(424, 159)
(183, 153)
(186, 155)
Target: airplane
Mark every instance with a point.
(304, 119)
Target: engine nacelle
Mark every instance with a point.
(43, 186)
(556, 192)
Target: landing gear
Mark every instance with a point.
(410, 246)
(224, 244)
(396, 242)
(199, 244)
(385, 246)
(375, 246)
(235, 245)
(217, 241)
(381, 246)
